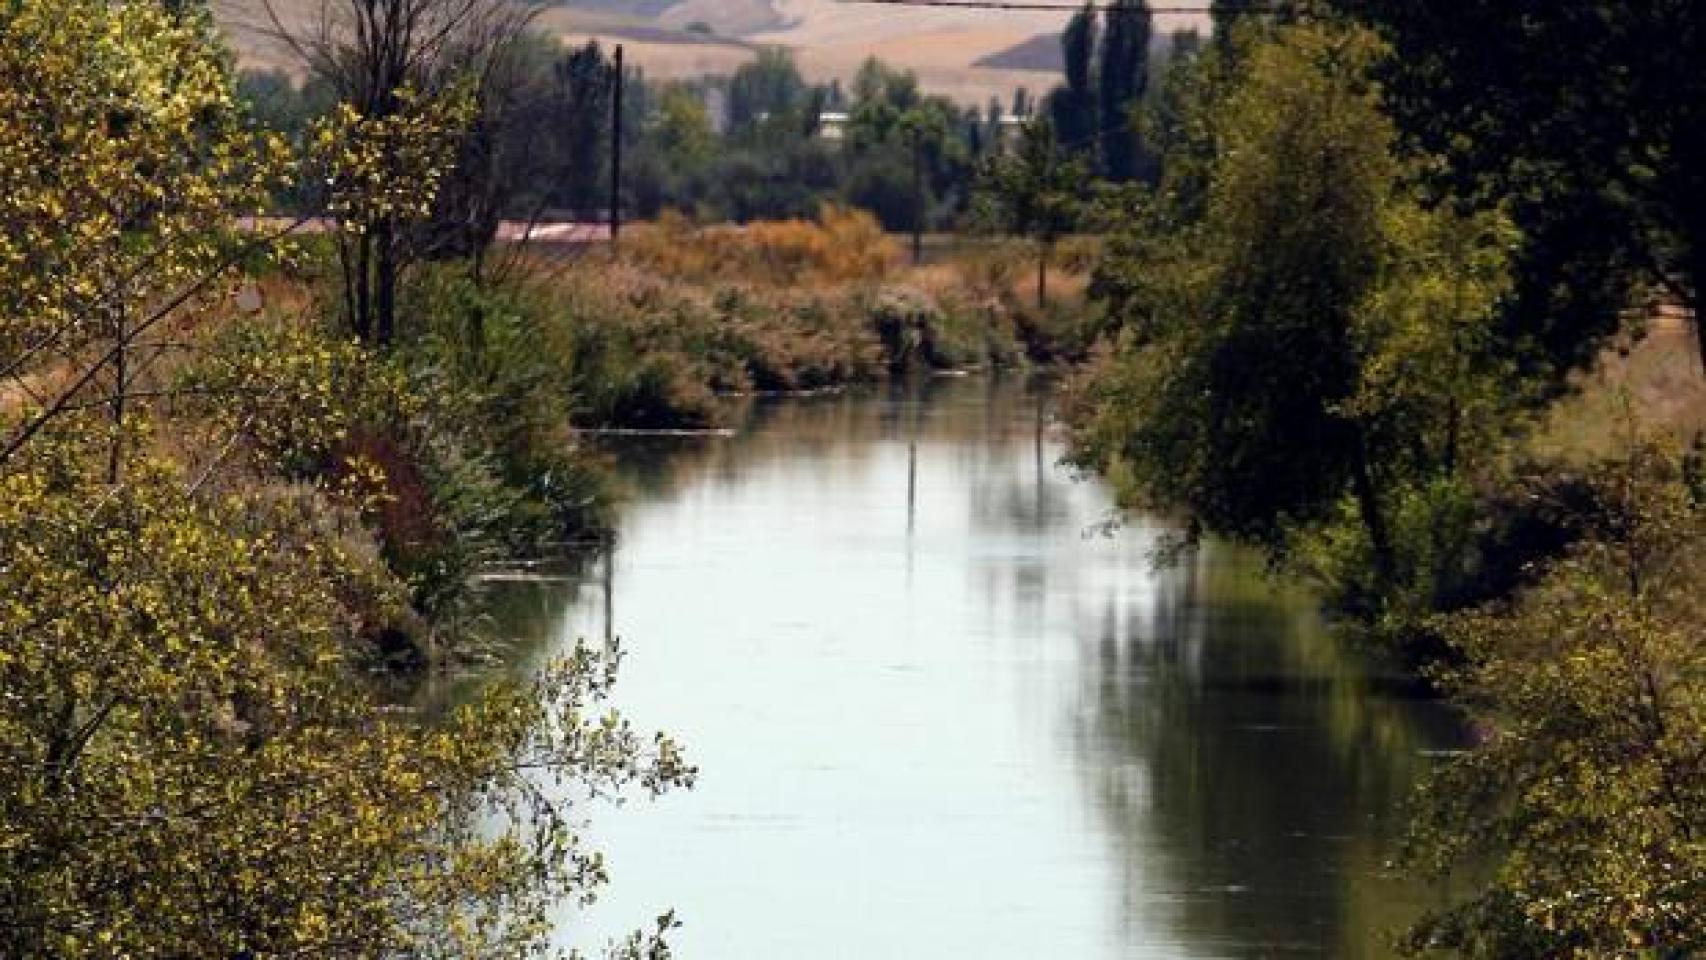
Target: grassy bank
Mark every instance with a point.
(685, 314)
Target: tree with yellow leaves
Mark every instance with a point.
(191, 768)
(410, 75)
(191, 762)
(1589, 788)
(123, 160)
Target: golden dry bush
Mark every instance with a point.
(842, 245)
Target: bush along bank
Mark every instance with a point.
(689, 314)
(443, 465)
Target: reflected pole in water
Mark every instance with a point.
(911, 488)
(1039, 455)
(610, 591)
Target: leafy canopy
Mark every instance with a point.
(1588, 788)
(1291, 327)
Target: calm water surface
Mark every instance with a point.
(942, 711)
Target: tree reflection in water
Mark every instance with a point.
(1251, 771)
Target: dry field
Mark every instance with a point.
(1654, 383)
(830, 38)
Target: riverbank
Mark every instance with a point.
(472, 439)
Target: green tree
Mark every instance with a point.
(676, 148)
(682, 128)
(909, 156)
(1312, 338)
(276, 102)
(1122, 82)
(1035, 191)
(576, 112)
(768, 93)
(1072, 108)
(1587, 789)
(1587, 117)
(1224, 15)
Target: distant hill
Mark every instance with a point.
(1038, 53)
(1044, 53)
(633, 8)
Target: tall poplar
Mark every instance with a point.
(1122, 80)
(1072, 108)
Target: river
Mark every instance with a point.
(944, 708)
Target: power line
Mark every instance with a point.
(1028, 5)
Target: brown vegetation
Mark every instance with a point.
(841, 246)
(1649, 378)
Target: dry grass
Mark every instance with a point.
(1654, 382)
(841, 246)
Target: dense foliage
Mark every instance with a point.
(202, 555)
(1107, 54)
(1310, 346)
(1589, 787)
(1585, 117)
(1304, 336)
(193, 767)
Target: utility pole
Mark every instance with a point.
(616, 155)
(918, 202)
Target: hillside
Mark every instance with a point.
(1041, 52)
(964, 54)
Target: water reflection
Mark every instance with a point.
(1248, 769)
(939, 715)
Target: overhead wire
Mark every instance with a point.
(1035, 6)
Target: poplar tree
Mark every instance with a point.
(1123, 78)
(1072, 108)
(1036, 191)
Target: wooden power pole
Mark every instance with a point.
(616, 154)
(919, 203)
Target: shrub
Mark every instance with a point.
(1591, 689)
(841, 245)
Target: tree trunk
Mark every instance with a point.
(1453, 433)
(1042, 274)
(1373, 515)
(121, 377)
(385, 284)
(362, 319)
(347, 263)
(1696, 287)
